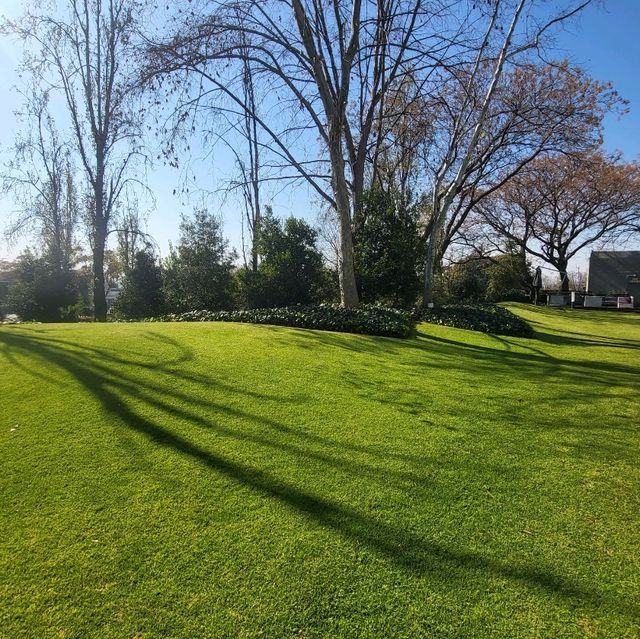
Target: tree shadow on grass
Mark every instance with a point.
(435, 351)
(114, 384)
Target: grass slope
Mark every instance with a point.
(225, 480)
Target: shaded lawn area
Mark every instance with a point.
(228, 480)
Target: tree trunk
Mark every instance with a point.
(564, 278)
(99, 293)
(348, 287)
(99, 242)
(431, 253)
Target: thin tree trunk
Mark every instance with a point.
(99, 293)
(99, 243)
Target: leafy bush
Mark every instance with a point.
(42, 292)
(387, 249)
(485, 318)
(291, 269)
(141, 294)
(369, 320)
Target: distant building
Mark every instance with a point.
(112, 295)
(614, 272)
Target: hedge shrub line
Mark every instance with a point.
(486, 318)
(368, 320)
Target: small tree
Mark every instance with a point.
(141, 295)
(387, 248)
(508, 278)
(292, 269)
(199, 271)
(40, 291)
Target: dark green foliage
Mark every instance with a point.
(41, 292)
(141, 294)
(387, 249)
(501, 278)
(465, 281)
(291, 270)
(507, 279)
(199, 271)
(369, 320)
(485, 318)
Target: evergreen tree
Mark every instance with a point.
(141, 295)
(199, 270)
(387, 249)
(292, 269)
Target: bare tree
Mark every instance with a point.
(83, 54)
(41, 181)
(558, 206)
(248, 157)
(131, 238)
(511, 30)
(328, 66)
(539, 110)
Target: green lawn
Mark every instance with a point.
(229, 480)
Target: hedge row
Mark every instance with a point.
(369, 320)
(485, 318)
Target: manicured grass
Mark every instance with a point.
(231, 480)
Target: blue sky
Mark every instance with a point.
(605, 40)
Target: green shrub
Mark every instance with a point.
(387, 250)
(485, 318)
(369, 320)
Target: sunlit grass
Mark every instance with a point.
(225, 480)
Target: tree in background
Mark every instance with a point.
(538, 111)
(199, 271)
(141, 294)
(482, 278)
(387, 248)
(291, 270)
(559, 206)
(40, 177)
(131, 238)
(82, 54)
(42, 292)
(464, 281)
(508, 278)
(472, 123)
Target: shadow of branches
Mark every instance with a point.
(117, 384)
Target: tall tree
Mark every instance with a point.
(561, 205)
(40, 178)
(327, 66)
(84, 52)
(539, 110)
(509, 31)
